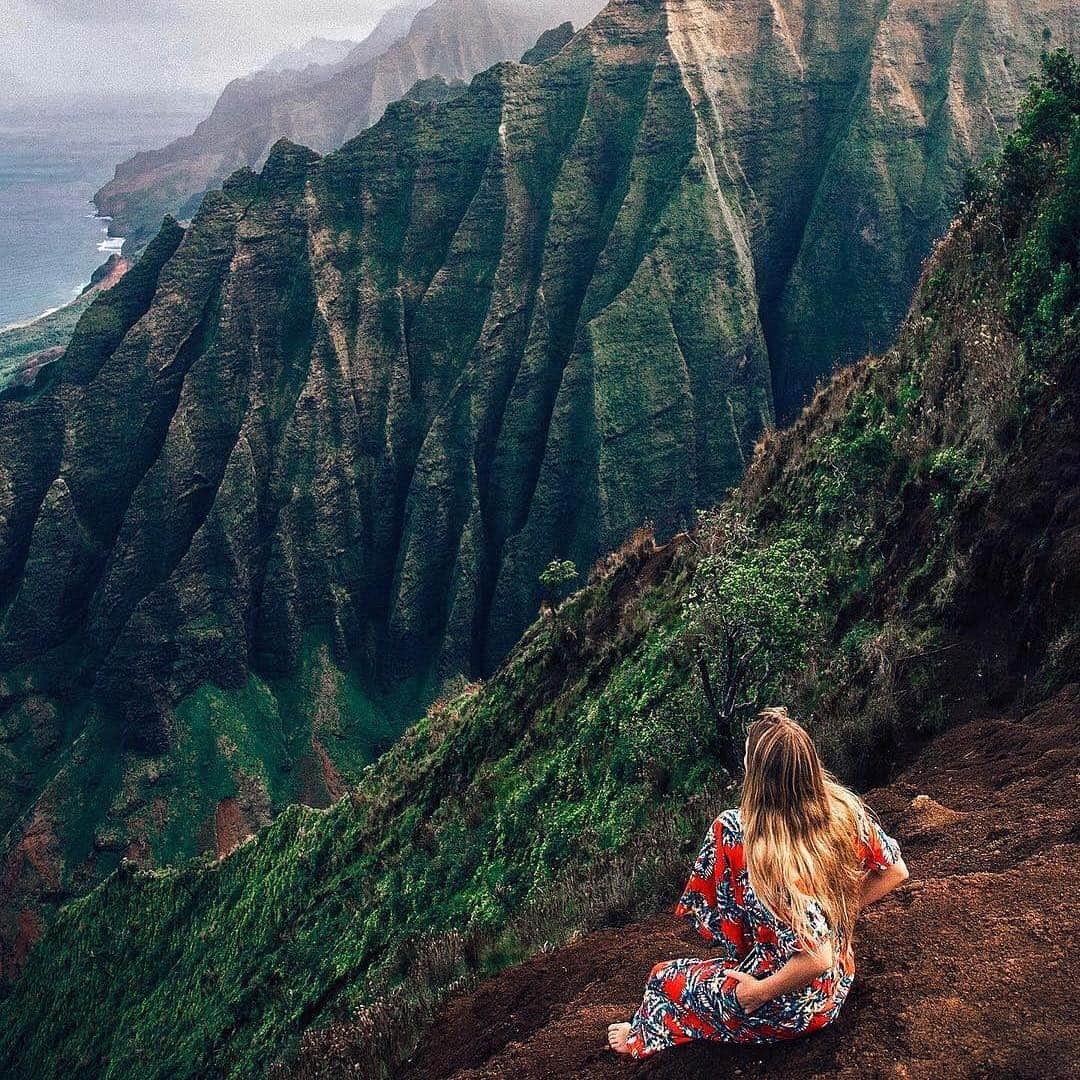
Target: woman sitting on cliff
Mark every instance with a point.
(778, 886)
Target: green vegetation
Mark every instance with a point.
(561, 792)
(326, 107)
(752, 613)
(1045, 281)
(369, 397)
(260, 744)
(558, 576)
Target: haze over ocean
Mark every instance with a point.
(53, 157)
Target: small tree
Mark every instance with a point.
(558, 576)
(751, 614)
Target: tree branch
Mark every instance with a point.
(706, 685)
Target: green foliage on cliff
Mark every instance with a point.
(752, 613)
(556, 579)
(553, 795)
(1045, 281)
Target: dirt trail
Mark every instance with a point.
(969, 970)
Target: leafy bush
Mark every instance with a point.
(1045, 268)
(558, 576)
(752, 613)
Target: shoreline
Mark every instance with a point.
(108, 247)
(57, 152)
(26, 323)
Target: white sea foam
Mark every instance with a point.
(109, 246)
(30, 322)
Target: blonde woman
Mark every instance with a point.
(778, 886)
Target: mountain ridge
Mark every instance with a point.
(322, 105)
(316, 50)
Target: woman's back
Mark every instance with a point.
(777, 886)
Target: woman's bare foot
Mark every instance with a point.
(616, 1037)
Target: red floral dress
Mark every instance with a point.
(691, 999)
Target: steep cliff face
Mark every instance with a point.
(934, 486)
(309, 457)
(321, 105)
(844, 132)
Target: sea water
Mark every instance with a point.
(53, 157)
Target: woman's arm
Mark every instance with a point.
(801, 970)
(804, 967)
(879, 883)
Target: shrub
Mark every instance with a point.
(558, 576)
(752, 612)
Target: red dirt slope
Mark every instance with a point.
(969, 970)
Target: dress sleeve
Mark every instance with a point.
(698, 901)
(712, 900)
(877, 850)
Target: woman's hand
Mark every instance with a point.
(801, 970)
(749, 991)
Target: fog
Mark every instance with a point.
(93, 48)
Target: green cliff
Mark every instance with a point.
(308, 459)
(927, 499)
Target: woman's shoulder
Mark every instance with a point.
(729, 826)
(875, 847)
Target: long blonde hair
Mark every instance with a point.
(800, 829)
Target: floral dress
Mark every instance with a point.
(691, 999)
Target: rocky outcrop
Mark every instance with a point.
(321, 105)
(548, 43)
(428, 91)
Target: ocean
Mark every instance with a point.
(52, 159)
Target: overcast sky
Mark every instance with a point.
(94, 46)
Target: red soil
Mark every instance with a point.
(118, 268)
(335, 786)
(966, 971)
(320, 782)
(31, 865)
(138, 849)
(37, 852)
(28, 928)
(229, 825)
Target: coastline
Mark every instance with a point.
(52, 160)
(108, 247)
(29, 346)
(25, 324)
